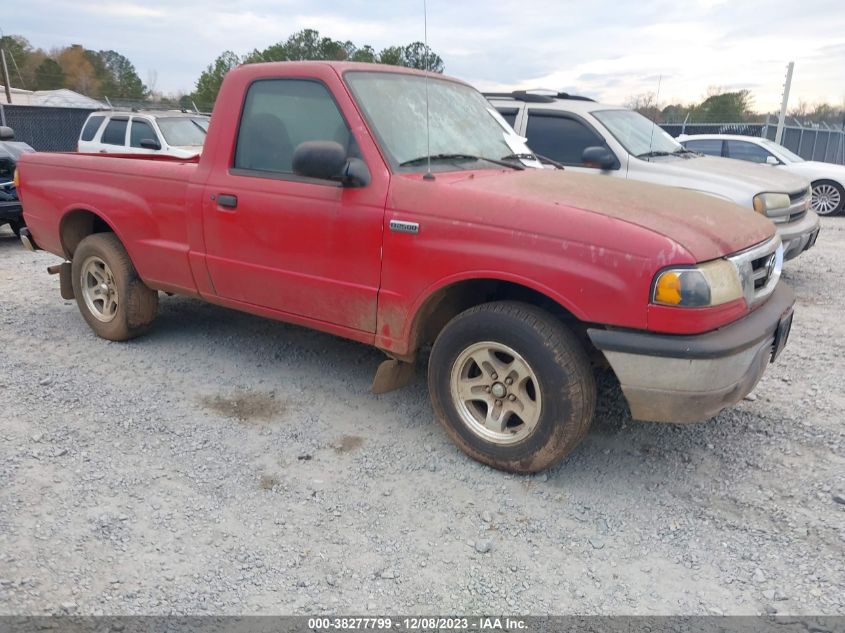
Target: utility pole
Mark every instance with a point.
(5, 70)
(782, 117)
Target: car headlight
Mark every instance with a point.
(710, 284)
(766, 202)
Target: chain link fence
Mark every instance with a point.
(46, 129)
(55, 129)
(820, 142)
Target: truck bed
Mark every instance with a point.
(153, 228)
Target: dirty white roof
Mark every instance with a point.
(62, 98)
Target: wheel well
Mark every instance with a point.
(77, 225)
(827, 180)
(450, 301)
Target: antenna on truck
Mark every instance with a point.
(654, 117)
(428, 175)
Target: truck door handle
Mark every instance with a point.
(227, 200)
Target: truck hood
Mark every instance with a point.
(537, 201)
(726, 178)
(14, 149)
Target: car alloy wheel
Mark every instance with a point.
(495, 392)
(99, 289)
(826, 199)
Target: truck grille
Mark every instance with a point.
(762, 270)
(759, 269)
(799, 203)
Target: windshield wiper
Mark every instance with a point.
(684, 150)
(652, 154)
(456, 157)
(537, 157)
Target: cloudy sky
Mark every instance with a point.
(608, 50)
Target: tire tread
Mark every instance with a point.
(567, 352)
(139, 303)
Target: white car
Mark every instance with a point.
(178, 134)
(595, 138)
(828, 180)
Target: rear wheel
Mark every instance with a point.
(512, 386)
(111, 297)
(828, 197)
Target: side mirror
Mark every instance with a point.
(600, 157)
(150, 143)
(771, 160)
(6, 133)
(327, 160)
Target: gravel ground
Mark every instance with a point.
(229, 464)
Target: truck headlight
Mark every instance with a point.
(710, 284)
(765, 202)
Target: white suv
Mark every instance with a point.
(178, 134)
(828, 179)
(595, 138)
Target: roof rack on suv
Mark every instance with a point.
(537, 96)
(566, 95)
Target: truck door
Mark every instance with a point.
(274, 239)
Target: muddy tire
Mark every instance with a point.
(111, 297)
(512, 386)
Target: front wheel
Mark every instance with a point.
(111, 296)
(512, 386)
(828, 197)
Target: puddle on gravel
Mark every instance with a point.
(267, 482)
(244, 406)
(348, 443)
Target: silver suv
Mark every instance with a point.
(595, 138)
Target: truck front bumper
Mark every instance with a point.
(669, 378)
(799, 236)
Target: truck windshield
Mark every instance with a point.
(637, 134)
(181, 131)
(464, 134)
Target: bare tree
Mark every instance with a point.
(646, 104)
(152, 80)
(801, 110)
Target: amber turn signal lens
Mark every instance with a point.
(668, 289)
(708, 284)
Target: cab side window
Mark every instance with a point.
(711, 147)
(744, 150)
(91, 126)
(115, 132)
(560, 138)
(278, 115)
(509, 115)
(140, 131)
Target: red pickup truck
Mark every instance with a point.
(323, 198)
